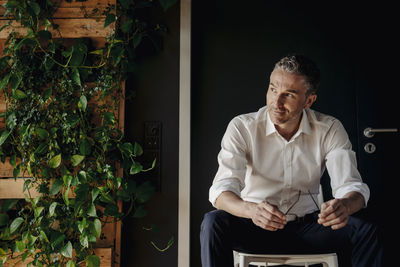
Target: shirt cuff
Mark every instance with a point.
(354, 187)
(228, 184)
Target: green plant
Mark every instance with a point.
(61, 130)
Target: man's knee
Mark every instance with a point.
(214, 220)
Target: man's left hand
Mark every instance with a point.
(334, 213)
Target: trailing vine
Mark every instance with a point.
(62, 131)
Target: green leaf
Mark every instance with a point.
(55, 161)
(19, 246)
(43, 133)
(137, 150)
(76, 77)
(66, 251)
(82, 103)
(83, 239)
(56, 187)
(15, 224)
(95, 193)
(15, 81)
(52, 209)
(109, 118)
(92, 211)
(140, 212)
(4, 81)
(18, 94)
(27, 185)
(144, 192)
(126, 149)
(56, 239)
(126, 27)
(95, 228)
(67, 178)
(45, 35)
(110, 18)
(43, 236)
(135, 168)
(42, 148)
(92, 261)
(8, 204)
(76, 159)
(70, 263)
(3, 219)
(66, 196)
(37, 211)
(82, 225)
(16, 171)
(97, 52)
(35, 7)
(85, 147)
(4, 136)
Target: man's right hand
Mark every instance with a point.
(264, 215)
(268, 217)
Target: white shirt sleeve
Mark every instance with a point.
(341, 164)
(232, 162)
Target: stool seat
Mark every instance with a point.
(327, 260)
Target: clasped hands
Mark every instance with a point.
(334, 213)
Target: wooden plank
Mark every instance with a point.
(105, 255)
(69, 28)
(90, 8)
(11, 188)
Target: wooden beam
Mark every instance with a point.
(105, 255)
(11, 188)
(69, 28)
(74, 9)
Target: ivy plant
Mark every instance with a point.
(62, 132)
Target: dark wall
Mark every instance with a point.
(157, 99)
(235, 45)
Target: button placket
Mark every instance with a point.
(287, 176)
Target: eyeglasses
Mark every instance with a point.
(298, 198)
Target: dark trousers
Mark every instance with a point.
(357, 244)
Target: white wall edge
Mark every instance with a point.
(184, 136)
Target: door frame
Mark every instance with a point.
(184, 135)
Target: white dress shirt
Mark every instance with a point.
(258, 164)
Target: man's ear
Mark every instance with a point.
(310, 100)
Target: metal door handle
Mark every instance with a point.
(370, 132)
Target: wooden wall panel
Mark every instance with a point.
(75, 20)
(105, 255)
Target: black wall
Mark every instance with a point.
(157, 99)
(235, 45)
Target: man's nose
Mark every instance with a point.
(279, 100)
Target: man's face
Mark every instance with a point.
(286, 98)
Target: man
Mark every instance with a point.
(270, 166)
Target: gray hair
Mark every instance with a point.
(301, 65)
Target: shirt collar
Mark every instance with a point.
(303, 128)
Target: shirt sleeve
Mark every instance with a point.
(341, 164)
(232, 162)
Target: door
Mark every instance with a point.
(377, 89)
(234, 47)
